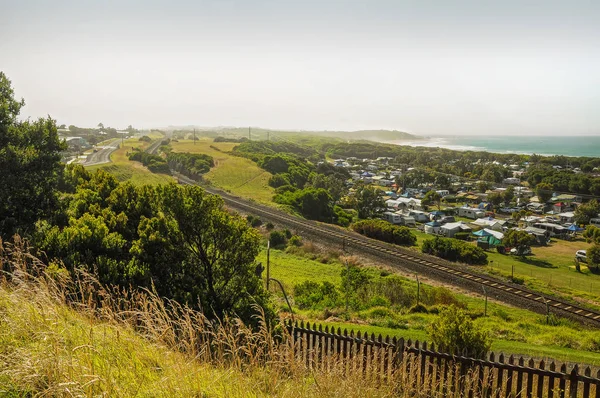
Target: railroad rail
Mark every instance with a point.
(399, 257)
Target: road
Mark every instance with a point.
(102, 155)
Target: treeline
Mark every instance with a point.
(230, 139)
(192, 165)
(154, 163)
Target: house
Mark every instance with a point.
(450, 229)
(490, 223)
(470, 212)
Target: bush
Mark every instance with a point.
(311, 295)
(269, 226)
(295, 240)
(462, 235)
(277, 238)
(384, 231)
(455, 332)
(455, 250)
(254, 221)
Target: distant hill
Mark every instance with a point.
(261, 133)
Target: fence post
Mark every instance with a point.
(573, 382)
(586, 385)
(531, 364)
(540, 381)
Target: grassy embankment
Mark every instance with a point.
(134, 172)
(47, 348)
(513, 330)
(235, 174)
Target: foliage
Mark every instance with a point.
(369, 202)
(277, 238)
(454, 250)
(495, 198)
(455, 331)
(230, 139)
(384, 231)
(145, 138)
(178, 241)
(295, 240)
(192, 165)
(432, 198)
(593, 255)
(313, 295)
(592, 234)
(254, 221)
(155, 163)
(518, 239)
(29, 163)
(586, 211)
(314, 204)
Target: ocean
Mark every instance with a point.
(565, 145)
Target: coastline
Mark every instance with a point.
(572, 146)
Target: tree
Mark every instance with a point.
(593, 255)
(592, 234)
(509, 194)
(455, 332)
(520, 240)
(432, 198)
(369, 202)
(101, 126)
(29, 163)
(544, 191)
(585, 211)
(495, 198)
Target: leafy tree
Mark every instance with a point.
(592, 234)
(29, 163)
(369, 202)
(521, 240)
(544, 192)
(455, 332)
(593, 255)
(432, 198)
(495, 198)
(586, 211)
(509, 194)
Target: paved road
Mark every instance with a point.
(103, 154)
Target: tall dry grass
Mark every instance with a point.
(66, 335)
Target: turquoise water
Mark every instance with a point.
(568, 146)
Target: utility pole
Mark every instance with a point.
(347, 285)
(418, 288)
(486, 298)
(268, 263)
(249, 134)
(194, 136)
(267, 135)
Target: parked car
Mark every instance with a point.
(581, 255)
(526, 251)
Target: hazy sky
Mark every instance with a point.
(428, 67)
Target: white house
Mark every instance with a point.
(470, 212)
(490, 223)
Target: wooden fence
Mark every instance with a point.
(437, 371)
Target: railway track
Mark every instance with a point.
(154, 146)
(397, 256)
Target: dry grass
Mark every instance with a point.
(63, 336)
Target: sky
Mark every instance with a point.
(426, 67)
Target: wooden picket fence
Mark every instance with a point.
(436, 371)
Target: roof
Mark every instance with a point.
(495, 234)
(488, 221)
(455, 225)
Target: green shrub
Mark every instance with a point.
(295, 240)
(277, 238)
(311, 295)
(462, 235)
(269, 226)
(456, 333)
(454, 250)
(384, 231)
(418, 309)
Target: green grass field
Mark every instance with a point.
(134, 172)
(513, 330)
(237, 175)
